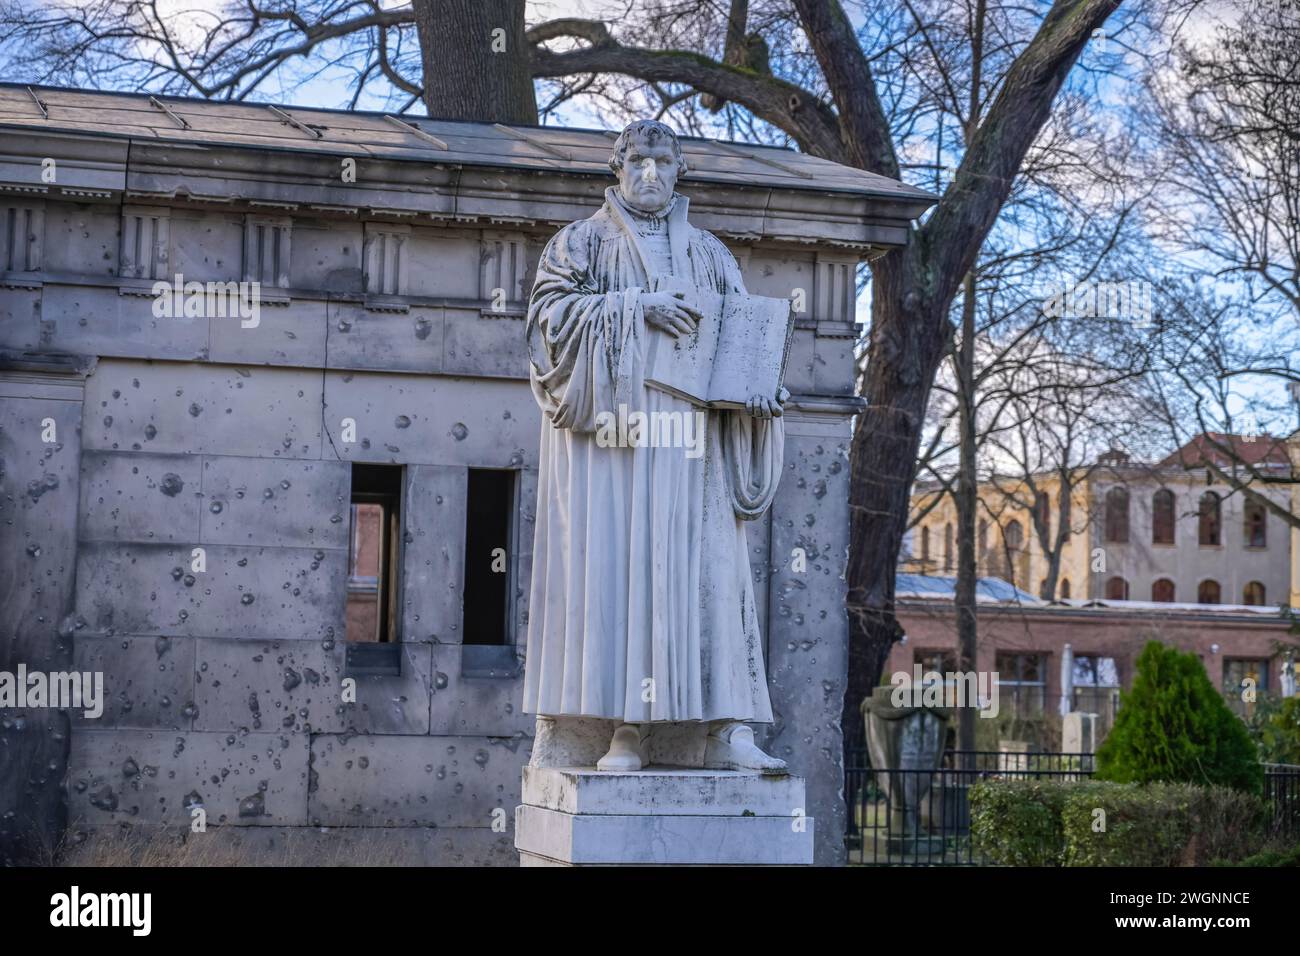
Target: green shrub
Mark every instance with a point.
(1055, 823)
(1173, 726)
(1276, 729)
(1160, 824)
(1289, 857)
(1018, 822)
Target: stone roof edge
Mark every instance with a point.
(149, 170)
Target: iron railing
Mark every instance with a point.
(1282, 794)
(910, 817)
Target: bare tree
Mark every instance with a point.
(1227, 114)
(822, 86)
(1226, 158)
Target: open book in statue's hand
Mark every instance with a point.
(738, 349)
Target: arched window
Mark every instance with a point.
(1253, 593)
(1116, 526)
(1043, 512)
(1208, 523)
(1013, 538)
(1256, 525)
(1116, 589)
(1162, 517)
(925, 546)
(1065, 587)
(947, 547)
(1163, 591)
(1208, 592)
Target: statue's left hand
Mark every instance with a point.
(760, 406)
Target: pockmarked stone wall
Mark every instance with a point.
(186, 535)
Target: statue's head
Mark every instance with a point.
(647, 160)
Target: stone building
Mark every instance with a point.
(1166, 532)
(1163, 551)
(291, 527)
(1027, 641)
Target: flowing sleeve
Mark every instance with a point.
(753, 449)
(585, 345)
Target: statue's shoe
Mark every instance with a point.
(627, 751)
(732, 747)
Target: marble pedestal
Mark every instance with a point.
(661, 816)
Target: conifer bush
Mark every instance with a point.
(1174, 727)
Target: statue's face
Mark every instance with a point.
(649, 174)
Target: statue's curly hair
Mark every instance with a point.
(650, 131)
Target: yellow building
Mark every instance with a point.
(1293, 452)
(1163, 532)
(1008, 539)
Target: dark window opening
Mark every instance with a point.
(1208, 592)
(1241, 675)
(1208, 520)
(1095, 689)
(1162, 517)
(1042, 513)
(942, 662)
(371, 616)
(489, 556)
(1162, 591)
(1253, 593)
(1013, 539)
(1256, 525)
(1024, 678)
(1116, 525)
(1116, 589)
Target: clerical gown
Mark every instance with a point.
(642, 604)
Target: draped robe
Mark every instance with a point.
(642, 604)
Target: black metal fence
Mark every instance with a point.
(906, 817)
(1282, 793)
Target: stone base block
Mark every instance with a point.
(661, 817)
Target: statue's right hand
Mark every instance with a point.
(670, 311)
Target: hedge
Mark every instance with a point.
(1018, 822)
(1289, 857)
(1055, 823)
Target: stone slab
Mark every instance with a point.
(662, 839)
(148, 681)
(678, 792)
(399, 781)
(294, 687)
(128, 496)
(138, 776)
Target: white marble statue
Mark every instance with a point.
(642, 617)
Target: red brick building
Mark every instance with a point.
(1025, 643)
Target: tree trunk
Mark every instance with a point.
(967, 494)
(967, 502)
(907, 342)
(476, 60)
